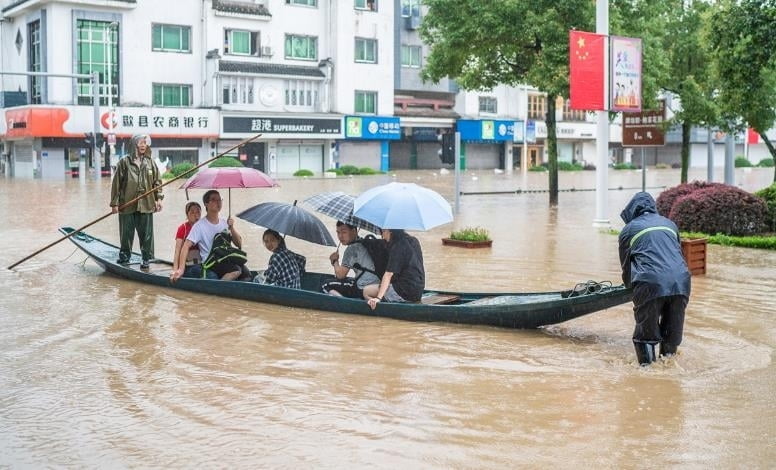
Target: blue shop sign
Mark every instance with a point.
(372, 128)
(486, 130)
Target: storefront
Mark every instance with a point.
(55, 142)
(576, 141)
(485, 144)
(286, 144)
(367, 142)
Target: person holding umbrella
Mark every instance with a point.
(405, 278)
(136, 174)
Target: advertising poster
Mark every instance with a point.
(625, 61)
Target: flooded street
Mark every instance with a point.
(96, 371)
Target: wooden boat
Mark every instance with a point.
(512, 310)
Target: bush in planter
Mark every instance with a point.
(178, 170)
(676, 166)
(742, 162)
(668, 197)
(720, 209)
(662, 166)
(471, 234)
(368, 171)
(349, 170)
(766, 162)
(336, 171)
(769, 195)
(624, 166)
(568, 166)
(303, 172)
(225, 162)
(537, 168)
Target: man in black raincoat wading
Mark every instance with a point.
(652, 264)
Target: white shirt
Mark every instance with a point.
(202, 234)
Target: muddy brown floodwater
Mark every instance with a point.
(99, 372)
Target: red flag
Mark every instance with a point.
(586, 70)
(752, 137)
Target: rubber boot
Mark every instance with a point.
(667, 349)
(645, 353)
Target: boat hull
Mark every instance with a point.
(510, 310)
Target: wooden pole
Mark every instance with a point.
(132, 201)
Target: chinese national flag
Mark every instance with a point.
(752, 137)
(586, 70)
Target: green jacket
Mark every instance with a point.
(131, 180)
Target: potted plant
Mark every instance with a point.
(469, 237)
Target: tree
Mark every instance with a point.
(690, 71)
(485, 43)
(743, 41)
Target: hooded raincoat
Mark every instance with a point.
(650, 253)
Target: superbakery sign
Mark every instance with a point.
(282, 126)
(372, 128)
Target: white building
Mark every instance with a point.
(198, 76)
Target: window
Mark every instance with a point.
(171, 38)
(302, 93)
(572, 114)
(166, 94)
(34, 61)
(366, 102)
(370, 5)
(97, 50)
(240, 42)
(309, 3)
(301, 47)
(366, 50)
(410, 8)
(238, 90)
(488, 105)
(410, 56)
(537, 106)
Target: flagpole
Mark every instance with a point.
(602, 128)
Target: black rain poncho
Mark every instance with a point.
(650, 253)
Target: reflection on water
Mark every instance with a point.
(99, 372)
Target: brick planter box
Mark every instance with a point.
(467, 244)
(694, 252)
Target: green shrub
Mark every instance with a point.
(225, 162)
(764, 243)
(624, 166)
(336, 171)
(568, 166)
(662, 166)
(721, 209)
(178, 170)
(537, 168)
(742, 162)
(303, 172)
(367, 171)
(766, 162)
(349, 170)
(769, 195)
(471, 234)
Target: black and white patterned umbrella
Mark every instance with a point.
(339, 206)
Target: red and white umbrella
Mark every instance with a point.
(228, 177)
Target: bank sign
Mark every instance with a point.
(372, 128)
(276, 125)
(486, 130)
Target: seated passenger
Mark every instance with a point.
(285, 267)
(193, 213)
(404, 279)
(202, 234)
(355, 257)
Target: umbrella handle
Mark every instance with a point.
(230, 202)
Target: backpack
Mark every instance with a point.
(378, 251)
(223, 251)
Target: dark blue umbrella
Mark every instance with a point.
(289, 219)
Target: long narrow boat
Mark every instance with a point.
(511, 310)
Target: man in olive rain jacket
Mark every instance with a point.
(136, 174)
(652, 264)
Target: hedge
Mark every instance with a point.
(769, 195)
(225, 162)
(720, 209)
(668, 197)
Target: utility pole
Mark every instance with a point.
(602, 128)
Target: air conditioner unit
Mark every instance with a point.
(266, 51)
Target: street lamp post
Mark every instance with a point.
(602, 130)
(108, 39)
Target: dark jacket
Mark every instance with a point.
(650, 253)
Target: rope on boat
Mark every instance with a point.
(589, 287)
